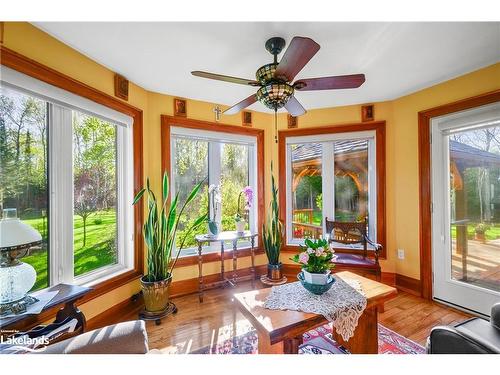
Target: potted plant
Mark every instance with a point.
(239, 218)
(214, 201)
(160, 235)
(316, 259)
(480, 231)
(272, 238)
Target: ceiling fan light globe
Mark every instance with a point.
(275, 95)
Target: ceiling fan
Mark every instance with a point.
(274, 80)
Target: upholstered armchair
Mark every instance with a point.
(122, 338)
(354, 250)
(474, 336)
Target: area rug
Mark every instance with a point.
(317, 341)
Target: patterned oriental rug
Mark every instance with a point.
(317, 341)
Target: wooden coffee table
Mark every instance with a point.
(281, 331)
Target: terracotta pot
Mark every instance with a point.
(156, 294)
(274, 271)
(481, 237)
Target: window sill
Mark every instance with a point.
(95, 278)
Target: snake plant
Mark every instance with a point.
(272, 230)
(160, 229)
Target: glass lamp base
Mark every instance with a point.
(15, 282)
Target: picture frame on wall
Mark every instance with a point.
(121, 87)
(367, 113)
(293, 122)
(246, 118)
(180, 107)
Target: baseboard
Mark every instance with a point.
(409, 285)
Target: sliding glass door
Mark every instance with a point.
(466, 208)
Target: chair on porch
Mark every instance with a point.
(346, 238)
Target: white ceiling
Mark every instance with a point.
(397, 58)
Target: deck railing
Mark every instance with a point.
(302, 224)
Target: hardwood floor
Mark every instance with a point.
(198, 325)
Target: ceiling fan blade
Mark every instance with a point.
(294, 107)
(297, 55)
(220, 77)
(241, 105)
(351, 81)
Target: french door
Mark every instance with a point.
(466, 208)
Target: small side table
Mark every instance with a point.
(65, 299)
(222, 237)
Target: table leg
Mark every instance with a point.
(235, 265)
(222, 273)
(287, 346)
(365, 339)
(252, 252)
(200, 273)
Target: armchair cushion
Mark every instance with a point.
(122, 338)
(354, 259)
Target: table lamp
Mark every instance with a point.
(16, 278)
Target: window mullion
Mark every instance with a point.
(61, 194)
(214, 169)
(328, 181)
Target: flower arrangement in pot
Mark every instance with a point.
(272, 239)
(316, 259)
(160, 236)
(239, 217)
(214, 202)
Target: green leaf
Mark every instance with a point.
(165, 187)
(212, 225)
(138, 196)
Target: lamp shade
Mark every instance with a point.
(15, 233)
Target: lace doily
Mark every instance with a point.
(343, 304)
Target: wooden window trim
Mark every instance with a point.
(424, 166)
(169, 121)
(32, 68)
(379, 127)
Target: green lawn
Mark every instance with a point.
(491, 234)
(99, 250)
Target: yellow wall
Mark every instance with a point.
(400, 115)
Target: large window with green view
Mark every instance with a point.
(330, 176)
(220, 159)
(66, 167)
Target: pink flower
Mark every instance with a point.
(319, 252)
(247, 190)
(303, 258)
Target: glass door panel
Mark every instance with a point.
(466, 208)
(307, 187)
(475, 207)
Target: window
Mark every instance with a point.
(330, 176)
(65, 165)
(218, 158)
(24, 169)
